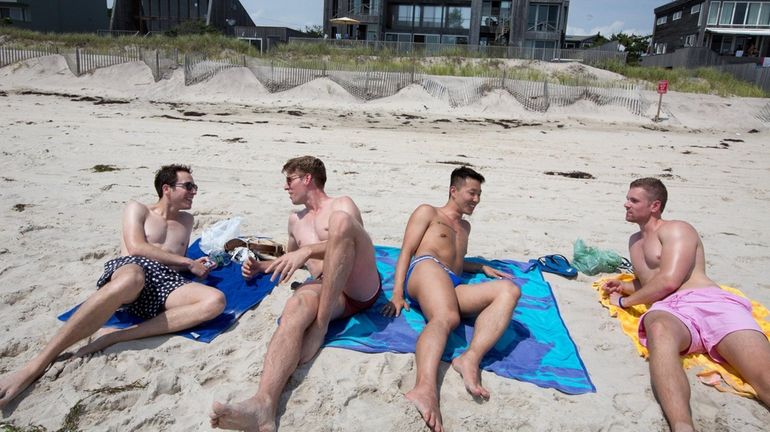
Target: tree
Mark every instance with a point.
(316, 31)
(635, 45)
(192, 27)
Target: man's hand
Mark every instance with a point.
(618, 286)
(250, 268)
(494, 273)
(201, 267)
(284, 266)
(394, 306)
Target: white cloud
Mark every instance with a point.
(607, 30)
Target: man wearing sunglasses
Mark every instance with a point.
(145, 279)
(327, 236)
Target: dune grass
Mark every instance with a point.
(700, 80)
(211, 44)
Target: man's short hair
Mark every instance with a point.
(654, 188)
(307, 165)
(166, 175)
(459, 175)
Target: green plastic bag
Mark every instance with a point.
(592, 260)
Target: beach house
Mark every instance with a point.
(518, 23)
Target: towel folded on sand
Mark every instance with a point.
(722, 377)
(536, 347)
(240, 295)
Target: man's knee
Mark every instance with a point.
(664, 332)
(214, 304)
(341, 224)
(127, 283)
(508, 291)
(448, 320)
(299, 309)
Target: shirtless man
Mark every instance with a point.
(690, 314)
(145, 278)
(328, 237)
(437, 238)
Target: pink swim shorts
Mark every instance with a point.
(709, 314)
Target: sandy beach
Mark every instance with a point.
(61, 221)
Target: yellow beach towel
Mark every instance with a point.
(722, 377)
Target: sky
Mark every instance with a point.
(585, 16)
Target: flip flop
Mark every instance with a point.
(557, 264)
(263, 248)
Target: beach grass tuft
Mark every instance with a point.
(72, 419)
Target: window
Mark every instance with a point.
(458, 17)
(543, 17)
(431, 16)
(662, 20)
(677, 15)
(14, 13)
(695, 9)
(739, 17)
(689, 40)
(764, 15)
(753, 14)
(713, 13)
(660, 48)
(726, 17)
(405, 15)
(457, 40)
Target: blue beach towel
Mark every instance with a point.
(240, 295)
(535, 348)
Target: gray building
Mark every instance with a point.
(59, 16)
(729, 28)
(519, 23)
(162, 15)
(265, 38)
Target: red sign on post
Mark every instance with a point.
(662, 87)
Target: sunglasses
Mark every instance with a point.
(188, 186)
(290, 179)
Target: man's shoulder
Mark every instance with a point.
(426, 209)
(676, 227)
(185, 218)
(136, 208)
(342, 200)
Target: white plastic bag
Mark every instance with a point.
(215, 236)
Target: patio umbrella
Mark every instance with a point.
(344, 21)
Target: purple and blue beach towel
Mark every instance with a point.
(536, 347)
(240, 296)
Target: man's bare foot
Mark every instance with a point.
(471, 376)
(248, 415)
(311, 343)
(99, 341)
(16, 382)
(427, 404)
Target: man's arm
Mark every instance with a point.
(474, 267)
(679, 243)
(415, 230)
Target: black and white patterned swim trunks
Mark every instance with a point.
(159, 282)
